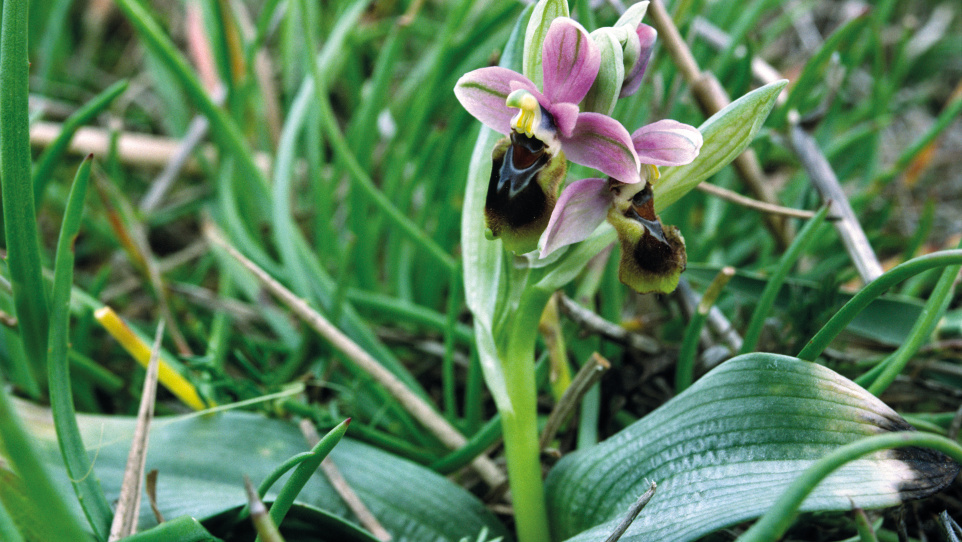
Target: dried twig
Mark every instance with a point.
(744, 201)
(632, 513)
(132, 147)
(128, 506)
(818, 168)
(719, 324)
(418, 407)
(350, 498)
(826, 182)
(590, 372)
(712, 98)
(593, 323)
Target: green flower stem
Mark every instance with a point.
(931, 314)
(871, 291)
(520, 425)
(775, 283)
(780, 516)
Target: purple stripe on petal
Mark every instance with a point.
(570, 61)
(582, 206)
(667, 143)
(601, 142)
(646, 38)
(483, 92)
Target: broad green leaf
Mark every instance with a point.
(723, 452)
(887, 320)
(544, 12)
(603, 94)
(483, 259)
(727, 133)
(201, 460)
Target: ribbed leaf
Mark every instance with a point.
(724, 450)
(201, 461)
(727, 133)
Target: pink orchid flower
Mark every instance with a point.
(507, 101)
(584, 204)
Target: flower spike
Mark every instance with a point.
(548, 123)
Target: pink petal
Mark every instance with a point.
(601, 142)
(565, 117)
(582, 206)
(646, 38)
(483, 92)
(570, 61)
(667, 143)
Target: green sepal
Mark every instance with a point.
(603, 95)
(544, 12)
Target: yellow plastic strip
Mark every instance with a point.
(140, 350)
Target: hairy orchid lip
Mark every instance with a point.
(522, 190)
(522, 162)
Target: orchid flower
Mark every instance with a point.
(653, 255)
(544, 129)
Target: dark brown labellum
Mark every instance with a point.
(522, 191)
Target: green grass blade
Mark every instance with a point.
(52, 154)
(182, 529)
(933, 311)
(61, 524)
(85, 484)
(8, 530)
(19, 213)
(304, 471)
(871, 291)
(801, 242)
(814, 72)
(222, 127)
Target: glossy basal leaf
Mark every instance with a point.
(887, 320)
(201, 460)
(724, 450)
(726, 134)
